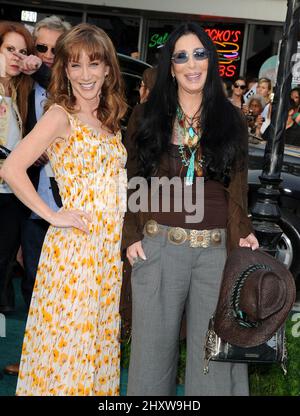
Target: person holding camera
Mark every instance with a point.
(256, 105)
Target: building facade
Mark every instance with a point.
(246, 33)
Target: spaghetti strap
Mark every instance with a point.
(70, 116)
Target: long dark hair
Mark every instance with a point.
(222, 125)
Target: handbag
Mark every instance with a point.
(256, 295)
(272, 351)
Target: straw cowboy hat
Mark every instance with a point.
(256, 295)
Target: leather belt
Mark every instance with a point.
(177, 235)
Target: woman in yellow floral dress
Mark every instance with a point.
(71, 344)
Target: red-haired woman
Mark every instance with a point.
(15, 86)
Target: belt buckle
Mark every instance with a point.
(151, 228)
(215, 237)
(177, 235)
(205, 238)
(199, 238)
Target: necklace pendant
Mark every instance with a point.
(191, 132)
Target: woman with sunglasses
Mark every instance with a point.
(15, 87)
(177, 263)
(238, 90)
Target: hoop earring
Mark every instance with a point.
(69, 89)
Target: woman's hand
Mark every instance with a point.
(71, 218)
(28, 64)
(250, 241)
(259, 121)
(134, 251)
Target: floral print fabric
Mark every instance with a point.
(71, 344)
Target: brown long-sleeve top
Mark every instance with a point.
(238, 223)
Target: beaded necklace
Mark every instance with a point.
(192, 142)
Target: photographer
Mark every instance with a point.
(256, 104)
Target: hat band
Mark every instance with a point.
(239, 315)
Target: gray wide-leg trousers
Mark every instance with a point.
(171, 279)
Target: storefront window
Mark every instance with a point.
(123, 31)
(263, 43)
(158, 33)
(227, 38)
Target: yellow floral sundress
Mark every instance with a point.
(71, 344)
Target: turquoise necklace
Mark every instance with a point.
(192, 139)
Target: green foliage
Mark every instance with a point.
(269, 380)
(265, 380)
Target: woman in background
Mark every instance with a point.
(147, 83)
(264, 88)
(238, 90)
(15, 87)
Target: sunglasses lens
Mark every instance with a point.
(242, 87)
(180, 57)
(41, 48)
(200, 54)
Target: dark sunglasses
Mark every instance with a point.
(242, 87)
(44, 48)
(199, 54)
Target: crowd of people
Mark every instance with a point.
(254, 98)
(63, 200)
